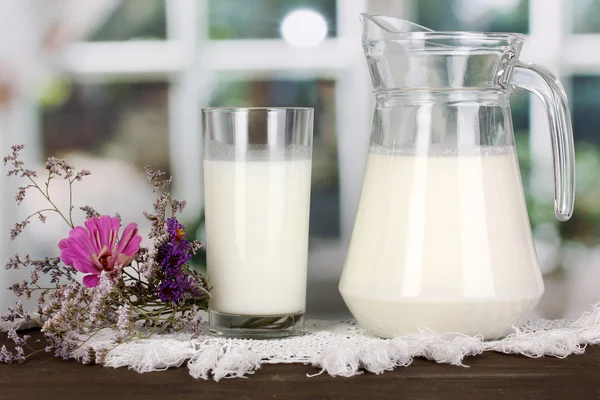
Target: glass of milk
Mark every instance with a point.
(257, 178)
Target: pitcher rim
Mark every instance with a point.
(509, 36)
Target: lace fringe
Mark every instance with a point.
(341, 349)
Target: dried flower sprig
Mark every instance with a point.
(56, 168)
(132, 290)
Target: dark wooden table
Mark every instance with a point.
(489, 376)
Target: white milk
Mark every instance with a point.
(442, 242)
(257, 235)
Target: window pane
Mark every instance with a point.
(133, 19)
(586, 104)
(319, 94)
(586, 16)
(584, 226)
(261, 19)
(127, 122)
(473, 15)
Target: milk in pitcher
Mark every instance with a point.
(441, 242)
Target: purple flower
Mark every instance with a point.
(16, 231)
(175, 252)
(171, 289)
(6, 356)
(176, 231)
(172, 255)
(97, 247)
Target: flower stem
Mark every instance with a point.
(41, 211)
(47, 196)
(33, 351)
(71, 202)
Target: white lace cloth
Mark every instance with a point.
(342, 348)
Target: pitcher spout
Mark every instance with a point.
(377, 27)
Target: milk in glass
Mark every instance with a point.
(257, 235)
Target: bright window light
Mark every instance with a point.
(304, 28)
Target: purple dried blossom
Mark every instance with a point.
(17, 340)
(59, 167)
(178, 206)
(16, 231)
(81, 174)
(14, 156)
(90, 212)
(196, 245)
(28, 173)
(125, 319)
(35, 274)
(21, 191)
(16, 263)
(12, 335)
(47, 266)
(21, 289)
(149, 269)
(16, 162)
(63, 345)
(101, 300)
(16, 313)
(192, 324)
(155, 177)
(20, 356)
(157, 220)
(6, 356)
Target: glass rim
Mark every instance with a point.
(456, 35)
(232, 110)
(429, 34)
(466, 35)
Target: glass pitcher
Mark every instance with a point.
(442, 238)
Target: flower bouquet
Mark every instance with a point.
(132, 290)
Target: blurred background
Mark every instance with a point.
(117, 85)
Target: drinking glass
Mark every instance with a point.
(257, 179)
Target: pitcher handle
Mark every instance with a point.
(541, 82)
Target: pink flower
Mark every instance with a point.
(97, 248)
